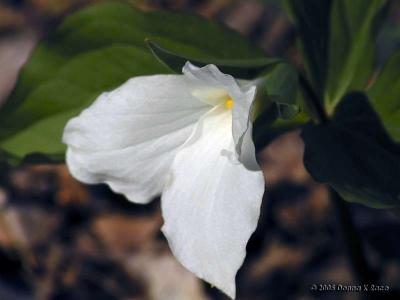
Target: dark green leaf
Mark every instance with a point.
(355, 155)
(385, 95)
(239, 68)
(311, 18)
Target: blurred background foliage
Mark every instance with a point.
(60, 239)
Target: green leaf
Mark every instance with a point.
(37, 124)
(92, 51)
(385, 95)
(355, 155)
(337, 42)
(388, 40)
(354, 25)
(239, 68)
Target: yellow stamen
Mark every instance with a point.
(229, 103)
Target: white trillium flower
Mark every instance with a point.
(188, 137)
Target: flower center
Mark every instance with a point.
(229, 103)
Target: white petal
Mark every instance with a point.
(242, 130)
(128, 137)
(211, 203)
(243, 96)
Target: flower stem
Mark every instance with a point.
(361, 269)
